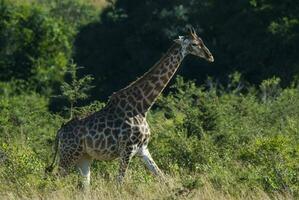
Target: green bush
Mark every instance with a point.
(27, 130)
(33, 45)
(244, 140)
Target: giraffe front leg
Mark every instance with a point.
(126, 156)
(150, 163)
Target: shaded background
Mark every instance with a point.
(257, 38)
(118, 41)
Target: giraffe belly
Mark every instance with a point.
(101, 148)
(100, 154)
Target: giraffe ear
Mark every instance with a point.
(179, 40)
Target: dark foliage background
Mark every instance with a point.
(257, 38)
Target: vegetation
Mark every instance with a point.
(233, 135)
(229, 141)
(258, 38)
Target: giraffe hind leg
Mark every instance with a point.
(126, 156)
(65, 164)
(68, 158)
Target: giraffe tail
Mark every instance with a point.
(50, 168)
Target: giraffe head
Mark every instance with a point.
(193, 44)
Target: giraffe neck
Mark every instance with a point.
(140, 95)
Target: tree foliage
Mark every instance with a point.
(257, 38)
(33, 46)
(36, 40)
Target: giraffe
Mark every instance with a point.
(120, 129)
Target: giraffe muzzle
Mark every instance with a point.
(211, 59)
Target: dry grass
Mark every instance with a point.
(131, 190)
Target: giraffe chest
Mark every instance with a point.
(135, 131)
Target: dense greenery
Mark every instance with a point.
(235, 141)
(257, 38)
(34, 46)
(234, 132)
(36, 41)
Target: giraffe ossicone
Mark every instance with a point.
(120, 129)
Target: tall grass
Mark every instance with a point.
(173, 189)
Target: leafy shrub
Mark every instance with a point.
(34, 46)
(252, 142)
(27, 130)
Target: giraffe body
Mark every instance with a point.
(100, 138)
(120, 129)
